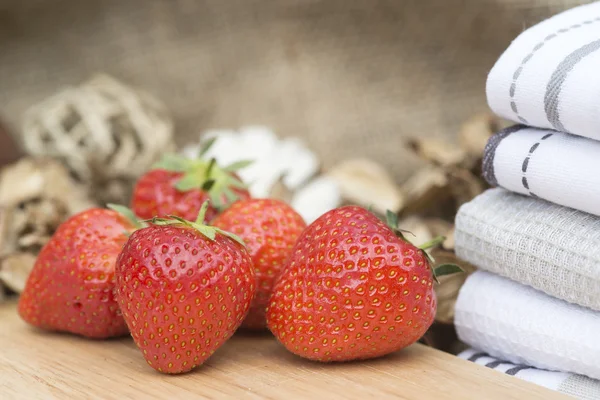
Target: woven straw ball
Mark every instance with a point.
(106, 133)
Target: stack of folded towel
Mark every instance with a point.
(533, 309)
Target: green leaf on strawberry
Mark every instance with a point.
(199, 224)
(445, 269)
(179, 186)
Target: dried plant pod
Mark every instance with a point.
(36, 196)
(368, 184)
(426, 189)
(107, 134)
(41, 179)
(15, 269)
(447, 290)
(436, 151)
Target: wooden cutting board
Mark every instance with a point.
(39, 365)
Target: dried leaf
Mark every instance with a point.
(438, 152)
(15, 269)
(438, 226)
(426, 189)
(449, 242)
(419, 231)
(465, 186)
(367, 183)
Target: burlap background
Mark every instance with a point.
(352, 77)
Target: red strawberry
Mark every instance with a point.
(184, 288)
(270, 229)
(179, 186)
(352, 290)
(71, 286)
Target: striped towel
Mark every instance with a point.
(519, 324)
(554, 166)
(578, 386)
(548, 77)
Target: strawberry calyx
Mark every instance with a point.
(205, 174)
(437, 271)
(199, 224)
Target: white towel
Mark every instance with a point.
(519, 324)
(578, 386)
(552, 248)
(548, 77)
(554, 166)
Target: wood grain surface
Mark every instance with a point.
(39, 365)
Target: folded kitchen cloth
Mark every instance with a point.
(578, 386)
(554, 249)
(548, 77)
(522, 325)
(554, 166)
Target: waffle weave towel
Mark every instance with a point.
(548, 77)
(554, 166)
(578, 386)
(519, 324)
(554, 249)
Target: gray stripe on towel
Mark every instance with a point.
(558, 78)
(477, 356)
(515, 370)
(490, 151)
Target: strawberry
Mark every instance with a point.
(184, 288)
(270, 229)
(71, 286)
(353, 289)
(179, 186)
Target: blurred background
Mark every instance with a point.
(351, 77)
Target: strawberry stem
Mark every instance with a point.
(202, 213)
(433, 243)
